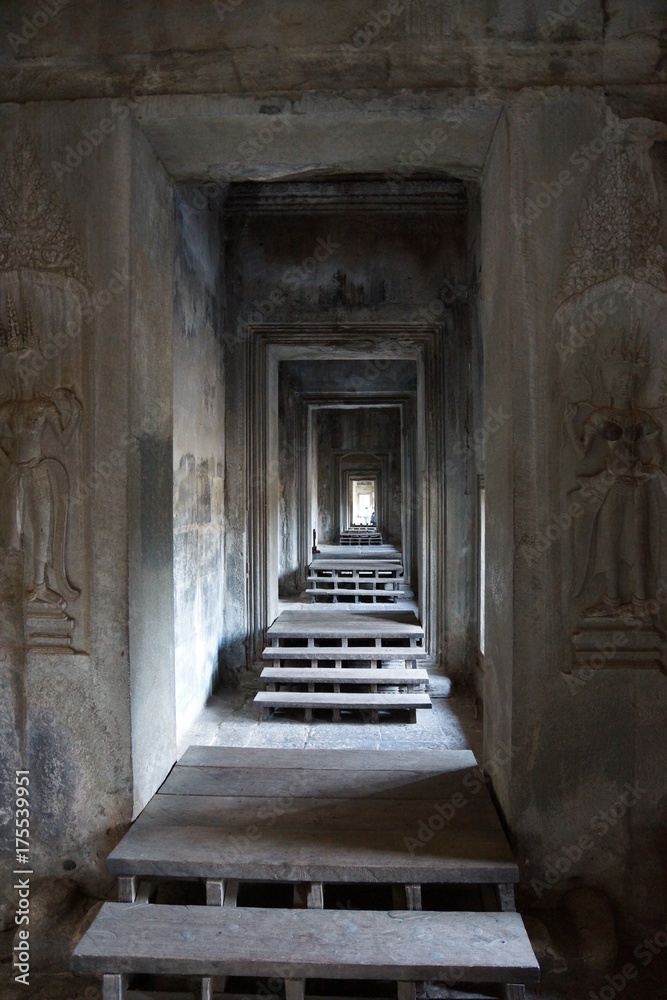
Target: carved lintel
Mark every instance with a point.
(40, 409)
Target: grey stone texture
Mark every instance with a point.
(131, 108)
(199, 451)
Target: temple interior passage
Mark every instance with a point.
(333, 500)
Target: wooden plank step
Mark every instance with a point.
(304, 783)
(354, 565)
(341, 554)
(361, 539)
(353, 592)
(398, 945)
(446, 763)
(236, 813)
(356, 577)
(331, 699)
(289, 853)
(361, 529)
(344, 653)
(352, 562)
(343, 675)
(348, 584)
(340, 624)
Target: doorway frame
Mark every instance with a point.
(346, 479)
(406, 403)
(370, 343)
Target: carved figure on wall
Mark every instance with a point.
(34, 483)
(622, 498)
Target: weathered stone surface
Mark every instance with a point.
(575, 737)
(199, 451)
(592, 917)
(73, 729)
(276, 91)
(272, 48)
(577, 939)
(59, 914)
(222, 139)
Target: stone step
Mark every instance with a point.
(343, 675)
(344, 653)
(399, 946)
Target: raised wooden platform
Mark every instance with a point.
(315, 823)
(314, 641)
(360, 535)
(332, 816)
(355, 579)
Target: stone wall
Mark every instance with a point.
(199, 453)
(88, 660)
(509, 95)
(234, 46)
(574, 685)
(150, 542)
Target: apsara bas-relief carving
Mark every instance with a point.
(615, 432)
(42, 296)
(622, 486)
(609, 324)
(34, 488)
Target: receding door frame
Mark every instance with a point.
(346, 477)
(267, 345)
